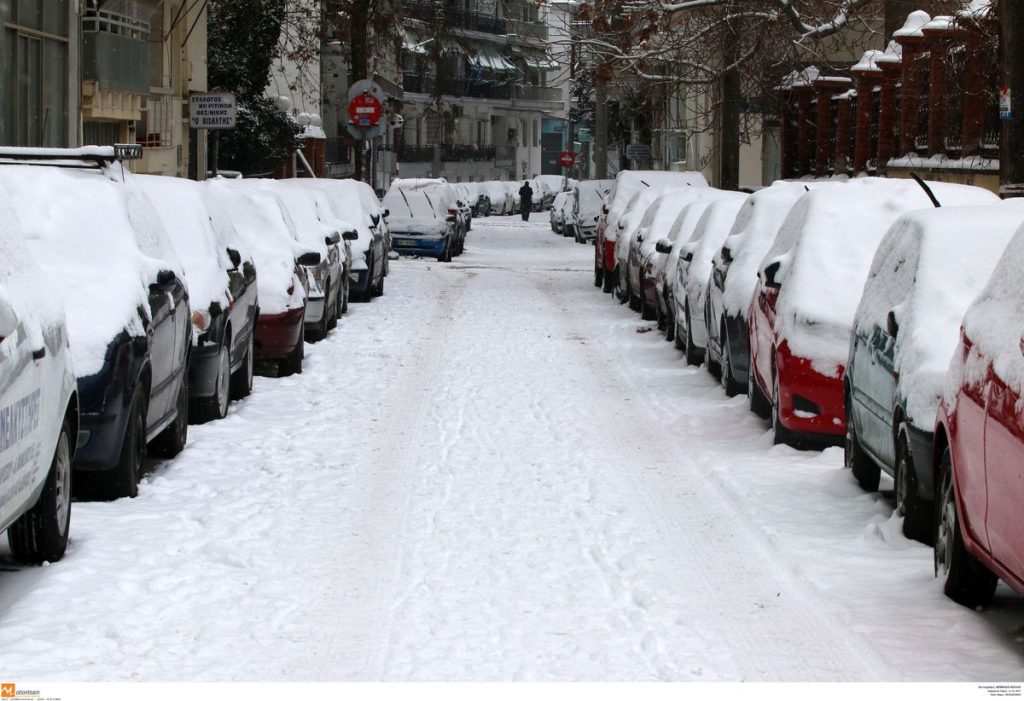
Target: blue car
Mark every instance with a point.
(417, 226)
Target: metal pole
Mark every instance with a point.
(216, 152)
(1011, 44)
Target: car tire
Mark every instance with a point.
(782, 435)
(758, 402)
(333, 323)
(693, 356)
(968, 582)
(660, 319)
(670, 325)
(292, 365)
(216, 407)
(728, 379)
(608, 284)
(172, 439)
(917, 513)
(867, 473)
(123, 479)
(378, 289)
(343, 301)
(241, 380)
(598, 276)
(41, 533)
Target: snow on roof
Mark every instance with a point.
(78, 229)
(804, 77)
(940, 23)
(869, 61)
(833, 233)
(928, 269)
(916, 21)
(893, 53)
(341, 207)
(976, 9)
(630, 182)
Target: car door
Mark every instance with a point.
(875, 391)
(1004, 473)
(162, 337)
(762, 336)
(967, 444)
(20, 411)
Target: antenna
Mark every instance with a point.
(927, 190)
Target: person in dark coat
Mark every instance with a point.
(526, 200)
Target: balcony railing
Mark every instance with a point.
(115, 51)
(465, 153)
(457, 18)
(538, 93)
(487, 90)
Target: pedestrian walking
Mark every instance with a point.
(526, 199)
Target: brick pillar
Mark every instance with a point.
(825, 89)
(844, 125)
(939, 42)
(911, 94)
(887, 112)
(867, 81)
(787, 139)
(977, 92)
(804, 96)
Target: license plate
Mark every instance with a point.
(405, 243)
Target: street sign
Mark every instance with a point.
(566, 159)
(638, 152)
(365, 133)
(1005, 104)
(213, 110)
(364, 110)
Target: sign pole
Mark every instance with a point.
(216, 151)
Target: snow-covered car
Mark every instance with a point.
(128, 316)
(221, 281)
(566, 206)
(258, 216)
(690, 285)
(38, 402)
(418, 227)
(354, 207)
(557, 213)
(628, 224)
(627, 184)
(816, 270)
(642, 254)
(500, 199)
(926, 272)
(679, 234)
(734, 277)
(443, 197)
(587, 203)
(312, 220)
(547, 187)
(979, 440)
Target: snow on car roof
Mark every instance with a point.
(928, 269)
(341, 206)
(834, 233)
(993, 322)
(714, 225)
(201, 248)
(629, 182)
(78, 229)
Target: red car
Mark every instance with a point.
(810, 283)
(978, 450)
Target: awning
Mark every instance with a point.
(413, 44)
(540, 62)
(488, 56)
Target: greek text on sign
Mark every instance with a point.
(214, 110)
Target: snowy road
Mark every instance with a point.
(491, 474)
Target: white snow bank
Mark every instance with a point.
(827, 243)
(78, 229)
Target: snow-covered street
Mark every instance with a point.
(496, 473)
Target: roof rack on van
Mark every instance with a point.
(85, 157)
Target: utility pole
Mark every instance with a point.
(1011, 152)
(601, 121)
(732, 96)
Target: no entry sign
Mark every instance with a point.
(364, 110)
(566, 159)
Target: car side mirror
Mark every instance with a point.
(8, 320)
(450, 219)
(375, 219)
(891, 325)
(387, 213)
(663, 246)
(688, 256)
(639, 238)
(308, 259)
(166, 278)
(332, 238)
(236, 257)
(726, 255)
(350, 235)
(1022, 345)
(770, 273)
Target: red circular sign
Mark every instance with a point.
(364, 110)
(566, 159)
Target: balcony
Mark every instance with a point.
(115, 51)
(528, 30)
(457, 18)
(465, 153)
(537, 93)
(484, 90)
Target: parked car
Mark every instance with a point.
(816, 269)
(500, 199)
(353, 207)
(927, 270)
(557, 213)
(442, 197)
(679, 234)
(259, 217)
(221, 281)
(38, 396)
(418, 227)
(979, 441)
(734, 277)
(693, 269)
(628, 224)
(588, 200)
(128, 315)
(627, 184)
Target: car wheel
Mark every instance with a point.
(172, 439)
(729, 383)
(41, 534)
(608, 284)
(241, 381)
(968, 582)
(123, 479)
(333, 323)
(292, 365)
(693, 356)
(782, 434)
(647, 313)
(378, 289)
(343, 302)
(758, 402)
(670, 325)
(865, 471)
(320, 332)
(917, 514)
(660, 319)
(216, 407)
(598, 276)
